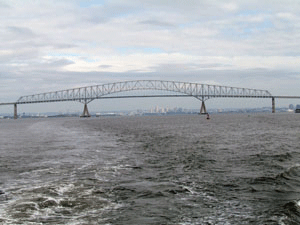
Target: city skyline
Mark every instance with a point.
(151, 110)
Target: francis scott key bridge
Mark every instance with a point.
(142, 89)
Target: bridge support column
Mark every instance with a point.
(85, 111)
(15, 111)
(273, 105)
(203, 108)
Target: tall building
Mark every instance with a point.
(157, 109)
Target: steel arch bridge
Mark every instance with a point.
(171, 89)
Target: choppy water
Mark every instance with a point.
(232, 169)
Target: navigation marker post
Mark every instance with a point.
(273, 105)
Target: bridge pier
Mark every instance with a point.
(15, 111)
(273, 105)
(85, 111)
(203, 108)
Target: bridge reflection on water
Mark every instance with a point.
(145, 88)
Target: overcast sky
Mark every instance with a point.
(60, 44)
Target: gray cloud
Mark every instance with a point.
(157, 23)
(56, 63)
(20, 31)
(105, 66)
(179, 68)
(4, 5)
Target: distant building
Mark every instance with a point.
(157, 109)
(297, 110)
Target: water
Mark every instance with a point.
(232, 169)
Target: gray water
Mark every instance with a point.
(232, 169)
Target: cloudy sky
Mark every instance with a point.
(60, 44)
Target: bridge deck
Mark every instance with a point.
(8, 103)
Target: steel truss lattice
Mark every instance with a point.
(90, 93)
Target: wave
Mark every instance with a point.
(292, 211)
(283, 191)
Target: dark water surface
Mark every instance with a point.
(232, 169)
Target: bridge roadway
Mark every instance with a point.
(202, 92)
